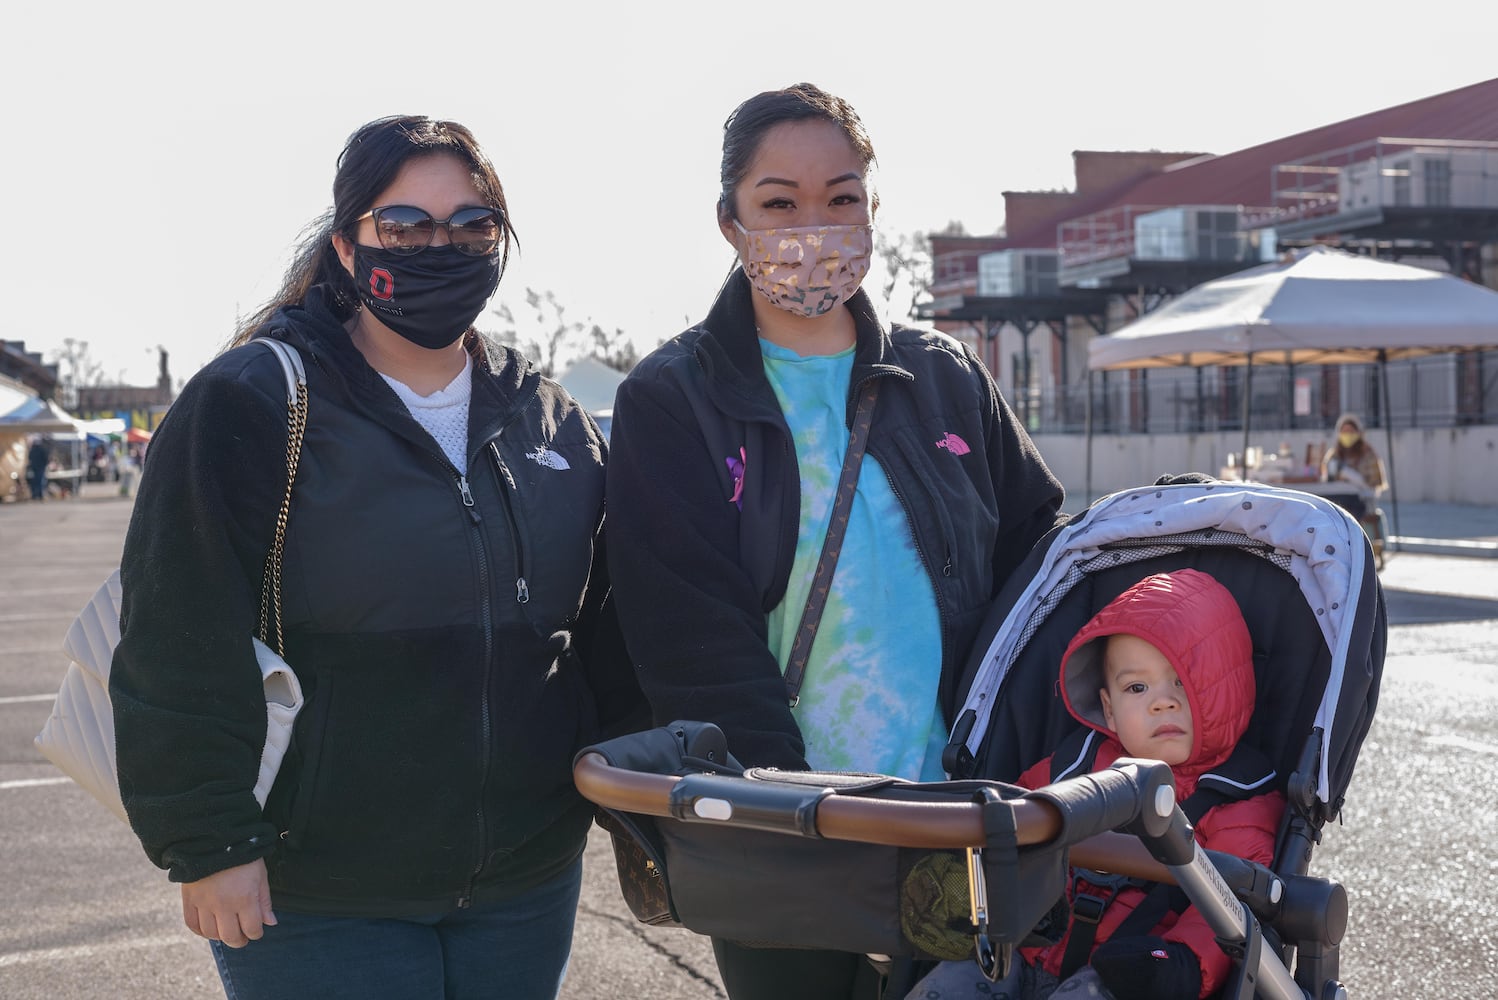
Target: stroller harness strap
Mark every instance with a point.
(1077, 754)
(1088, 907)
(832, 545)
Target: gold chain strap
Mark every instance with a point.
(270, 591)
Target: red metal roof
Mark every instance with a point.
(1244, 177)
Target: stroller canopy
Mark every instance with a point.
(1311, 539)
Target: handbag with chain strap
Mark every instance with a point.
(79, 735)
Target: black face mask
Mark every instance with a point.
(431, 298)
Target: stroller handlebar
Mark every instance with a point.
(1079, 810)
(1133, 795)
(890, 822)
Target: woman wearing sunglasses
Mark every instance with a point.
(728, 443)
(444, 603)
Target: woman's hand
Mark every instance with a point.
(231, 906)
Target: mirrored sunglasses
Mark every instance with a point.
(405, 229)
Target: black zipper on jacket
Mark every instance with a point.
(502, 473)
(486, 722)
(486, 591)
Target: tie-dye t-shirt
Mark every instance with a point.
(868, 698)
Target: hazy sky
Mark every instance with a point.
(163, 157)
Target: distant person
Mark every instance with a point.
(446, 611)
(38, 457)
(99, 465)
(1165, 672)
(1352, 460)
(131, 468)
(728, 444)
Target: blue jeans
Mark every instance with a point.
(516, 948)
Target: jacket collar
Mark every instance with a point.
(728, 345)
(318, 328)
(509, 382)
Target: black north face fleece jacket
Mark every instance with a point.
(704, 508)
(452, 633)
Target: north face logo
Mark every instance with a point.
(954, 444)
(546, 458)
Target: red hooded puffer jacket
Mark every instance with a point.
(1196, 623)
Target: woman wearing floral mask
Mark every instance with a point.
(727, 445)
(445, 611)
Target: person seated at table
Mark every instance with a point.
(1352, 460)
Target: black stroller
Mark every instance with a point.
(973, 866)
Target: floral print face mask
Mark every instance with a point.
(809, 270)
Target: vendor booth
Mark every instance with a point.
(1313, 306)
(25, 416)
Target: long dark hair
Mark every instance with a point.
(745, 130)
(369, 163)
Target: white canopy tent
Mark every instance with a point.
(1313, 306)
(592, 383)
(22, 414)
(108, 427)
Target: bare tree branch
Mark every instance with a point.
(552, 343)
(907, 267)
(76, 364)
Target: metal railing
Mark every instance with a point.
(1101, 235)
(1382, 172)
(1158, 232)
(1444, 390)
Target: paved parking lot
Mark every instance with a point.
(83, 914)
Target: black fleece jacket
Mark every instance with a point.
(695, 573)
(452, 633)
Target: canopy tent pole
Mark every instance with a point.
(1383, 366)
(1199, 418)
(1087, 419)
(1290, 385)
(1248, 386)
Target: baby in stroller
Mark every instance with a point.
(1164, 672)
(1303, 575)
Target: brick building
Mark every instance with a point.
(1417, 182)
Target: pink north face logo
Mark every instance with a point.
(954, 444)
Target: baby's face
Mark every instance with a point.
(1144, 702)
